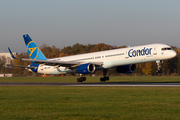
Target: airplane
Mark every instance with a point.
(123, 59)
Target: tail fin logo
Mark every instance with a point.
(32, 50)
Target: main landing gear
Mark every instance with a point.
(81, 79)
(105, 78)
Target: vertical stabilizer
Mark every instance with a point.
(33, 51)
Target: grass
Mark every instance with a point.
(90, 79)
(27, 102)
(86, 103)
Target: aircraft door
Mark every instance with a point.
(155, 51)
(126, 55)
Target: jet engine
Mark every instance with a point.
(86, 68)
(126, 68)
(35, 69)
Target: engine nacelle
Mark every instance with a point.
(126, 68)
(86, 68)
(34, 69)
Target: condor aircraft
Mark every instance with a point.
(124, 60)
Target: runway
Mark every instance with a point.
(100, 84)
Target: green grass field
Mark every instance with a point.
(90, 79)
(104, 103)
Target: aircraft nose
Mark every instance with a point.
(173, 54)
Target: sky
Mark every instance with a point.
(66, 22)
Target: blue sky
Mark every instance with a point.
(67, 22)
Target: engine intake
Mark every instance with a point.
(126, 68)
(86, 68)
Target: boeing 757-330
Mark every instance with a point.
(124, 60)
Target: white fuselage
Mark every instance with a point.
(114, 58)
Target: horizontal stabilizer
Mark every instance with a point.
(20, 66)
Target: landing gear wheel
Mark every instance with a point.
(107, 78)
(158, 71)
(78, 80)
(81, 79)
(101, 79)
(104, 79)
(84, 78)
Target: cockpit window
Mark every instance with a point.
(163, 49)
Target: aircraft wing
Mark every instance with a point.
(61, 63)
(70, 64)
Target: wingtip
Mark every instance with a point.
(11, 53)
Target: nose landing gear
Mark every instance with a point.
(158, 66)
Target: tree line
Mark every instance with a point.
(168, 67)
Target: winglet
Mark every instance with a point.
(11, 53)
